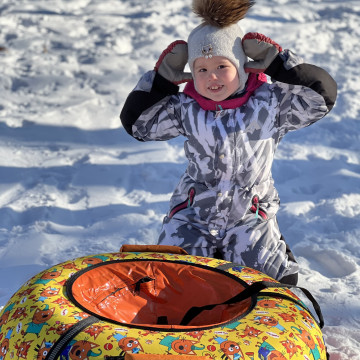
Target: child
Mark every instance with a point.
(226, 202)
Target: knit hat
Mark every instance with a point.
(219, 34)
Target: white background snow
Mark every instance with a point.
(73, 183)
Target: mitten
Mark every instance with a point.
(261, 49)
(172, 62)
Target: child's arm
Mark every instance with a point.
(285, 67)
(156, 86)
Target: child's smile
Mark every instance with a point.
(216, 78)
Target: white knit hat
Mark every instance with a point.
(219, 34)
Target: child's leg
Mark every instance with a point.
(259, 245)
(193, 238)
(291, 279)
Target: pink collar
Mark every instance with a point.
(254, 81)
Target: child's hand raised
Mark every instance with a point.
(261, 49)
(172, 62)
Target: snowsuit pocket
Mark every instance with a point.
(257, 209)
(185, 204)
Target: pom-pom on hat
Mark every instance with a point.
(219, 33)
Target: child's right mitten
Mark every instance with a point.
(172, 61)
(261, 49)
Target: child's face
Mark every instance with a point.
(215, 78)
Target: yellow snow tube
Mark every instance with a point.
(155, 302)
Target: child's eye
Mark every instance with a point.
(202, 70)
(221, 66)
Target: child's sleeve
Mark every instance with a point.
(306, 92)
(152, 109)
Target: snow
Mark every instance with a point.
(74, 183)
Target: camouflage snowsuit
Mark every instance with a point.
(226, 200)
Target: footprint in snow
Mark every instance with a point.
(329, 262)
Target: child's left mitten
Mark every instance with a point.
(172, 62)
(261, 49)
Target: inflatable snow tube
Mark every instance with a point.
(152, 302)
